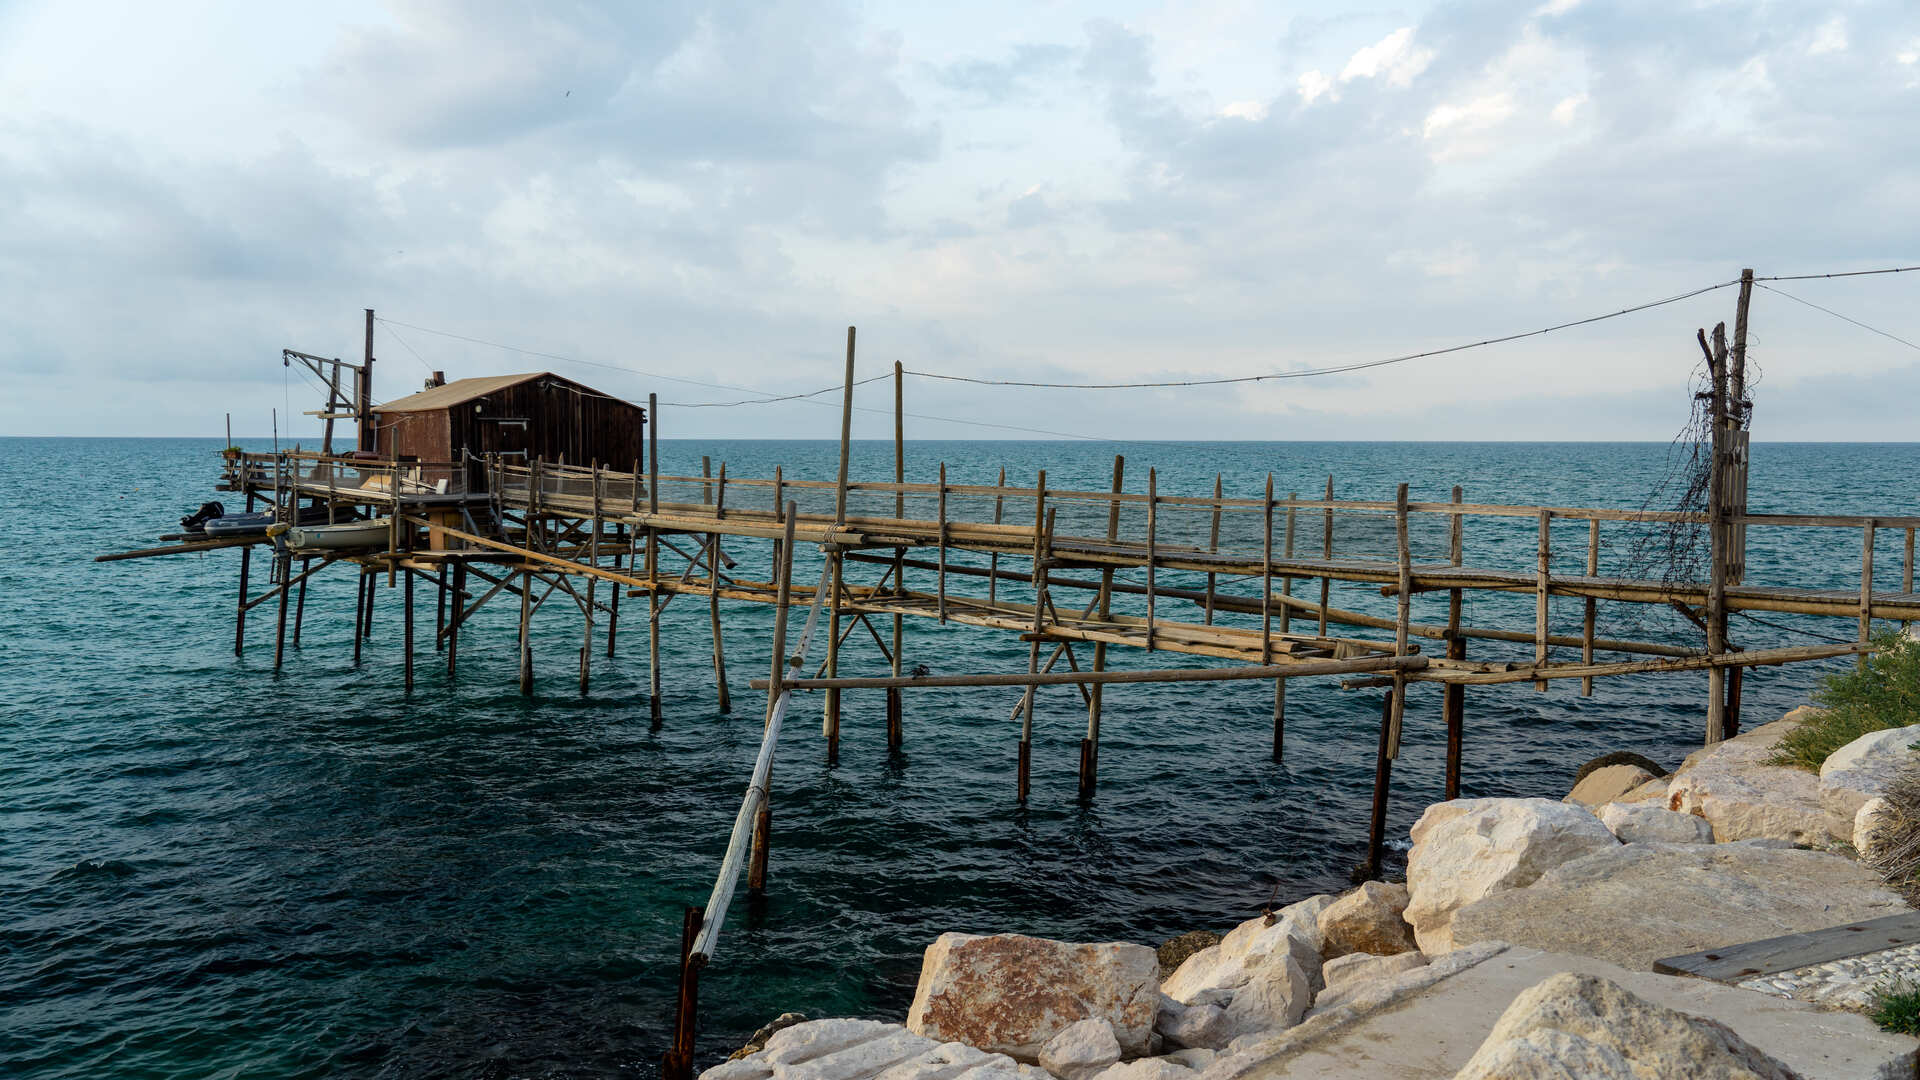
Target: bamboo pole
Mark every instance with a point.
(993, 561)
(1103, 601)
(1286, 621)
(1542, 587)
(1453, 696)
(1359, 665)
(1152, 561)
(1404, 548)
(1592, 605)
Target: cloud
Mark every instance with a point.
(997, 81)
(1393, 58)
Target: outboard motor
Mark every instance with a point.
(197, 521)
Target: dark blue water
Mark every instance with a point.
(208, 869)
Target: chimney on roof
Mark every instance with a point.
(438, 378)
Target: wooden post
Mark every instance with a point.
(1592, 605)
(300, 603)
(280, 630)
(1382, 779)
(653, 623)
(1405, 616)
(713, 615)
(1286, 621)
(763, 821)
(440, 609)
(1866, 588)
(459, 612)
(895, 734)
(593, 560)
(1213, 542)
(1326, 540)
(363, 389)
(1042, 536)
(993, 561)
(1266, 570)
(361, 588)
(653, 456)
(1153, 497)
(677, 1062)
(526, 632)
(407, 633)
(831, 723)
(240, 606)
(1716, 537)
(623, 547)
(366, 626)
(1453, 696)
(1090, 745)
(1542, 586)
(940, 602)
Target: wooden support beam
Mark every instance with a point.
(895, 717)
(1866, 589)
(280, 628)
(713, 613)
(942, 511)
(240, 605)
(1152, 562)
(1326, 540)
(653, 625)
(1103, 600)
(1286, 620)
(1405, 551)
(526, 632)
(300, 602)
(1542, 590)
(363, 586)
(1297, 670)
(407, 634)
(1382, 780)
(1213, 537)
(453, 627)
(1453, 699)
(1592, 605)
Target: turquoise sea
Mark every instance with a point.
(208, 869)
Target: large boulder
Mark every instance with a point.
(1213, 974)
(1347, 975)
(1606, 784)
(867, 1050)
(1192, 1026)
(1010, 993)
(1274, 997)
(1586, 1026)
(1874, 815)
(1079, 1050)
(1367, 920)
(1640, 823)
(1731, 786)
(1469, 849)
(1861, 770)
(1637, 903)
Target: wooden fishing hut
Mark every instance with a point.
(518, 418)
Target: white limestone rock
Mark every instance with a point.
(1607, 784)
(1367, 920)
(1213, 974)
(1730, 786)
(1306, 915)
(1192, 1026)
(1651, 791)
(1866, 825)
(1274, 998)
(1079, 1050)
(818, 1038)
(1469, 849)
(861, 1060)
(1585, 1026)
(1861, 770)
(1195, 1058)
(1344, 972)
(1010, 993)
(1148, 1069)
(1641, 823)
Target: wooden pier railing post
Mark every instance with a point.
(1404, 550)
(1153, 498)
(831, 719)
(1453, 700)
(713, 597)
(406, 603)
(593, 559)
(1213, 539)
(1866, 588)
(1103, 600)
(1592, 605)
(1542, 589)
(993, 560)
(762, 844)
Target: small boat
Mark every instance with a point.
(254, 524)
(349, 534)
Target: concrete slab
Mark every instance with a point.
(1428, 1029)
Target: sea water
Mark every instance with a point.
(208, 868)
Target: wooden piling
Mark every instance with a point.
(407, 633)
(280, 628)
(1266, 570)
(1286, 620)
(1404, 616)
(831, 721)
(762, 844)
(300, 602)
(1453, 699)
(993, 560)
(1326, 543)
(941, 527)
(1153, 498)
(622, 548)
(240, 606)
(1040, 536)
(1103, 600)
(1382, 779)
(526, 632)
(361, 586)
(713, 615)
(1592, 605)
(1213, 541)
(453, 629)
(1866, 588)
(895, 718)
(1542, 588)
(653, 621)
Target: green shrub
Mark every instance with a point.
(1896, 1007)
(1854, 702)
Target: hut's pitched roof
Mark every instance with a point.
(458, 392)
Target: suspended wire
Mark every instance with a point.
(1340, 369)
(1841, 274)
(395, 335)
(770, 400)
(1837, 315)
(1794, 629)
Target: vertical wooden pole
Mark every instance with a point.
(440, 609)
(240, 606)
(1866, 589)
(1042, 551)
(895, 733)
(366, 626)
(1286, 620)
(677, 1062)
(526, 632)
(1453, 699)
(407, 633)
(622, 548)
(1382, 779)
(1326, 543)
(280, 630)
(300, 603)
(1213, 545)
(763, 821)
(832, 707)
(940, 601)
(459, 616)
(593, 560)
(1266, 573)
(1402, 619)
(1542, 587)
(713, 617)
(1153, 498)
(1090, 745)
(993, 561)
(362, 586)
(653, 627)
(363, 388)
(1592, 605)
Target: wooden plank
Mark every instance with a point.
(1789, 951)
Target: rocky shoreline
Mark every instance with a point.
(1520, 945)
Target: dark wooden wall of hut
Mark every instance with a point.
(549, 417)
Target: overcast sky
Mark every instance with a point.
(1058, 192)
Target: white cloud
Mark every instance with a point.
(1565, 112)
(1255, 111)
(1313, 85)
(1395, 57)
(1831, 37)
